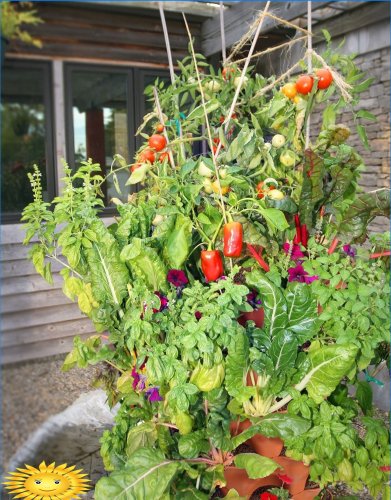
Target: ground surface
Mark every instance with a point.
(32, 392)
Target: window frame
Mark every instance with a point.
(51, 171)
(135, 105)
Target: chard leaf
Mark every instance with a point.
(329, 365)
(141, 436)
(283, 351)
(146, 264)
(273, 302)
(236, 369)
(256, 465)
(147, 474)
(361, 212)
(178, 244)
(312, 187)
(302, 311)
(109, 276)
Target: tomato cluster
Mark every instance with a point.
(156, 144)
(305, 83)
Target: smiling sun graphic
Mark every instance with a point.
(48, 482)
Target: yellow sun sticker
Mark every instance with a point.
(48, 482)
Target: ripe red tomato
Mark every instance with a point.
(157, 142)
(164, 156)
(146, 155)
(135, 166)
(325, 78)
(159, 128)
(259, 188)
(304, 84)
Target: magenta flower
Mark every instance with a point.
(349, 250)
(153, 394)
(299, 274)
(252, 299)
(177, 278)
(139, 380)
(198, 315)
(296, 252)
(163, 302)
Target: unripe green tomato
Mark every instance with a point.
(184, 422)
(288, 158)
(278, 141)
(345, 470)
(213, 86)
(207, 379)
(204, 170)
(275, 194)
(223, 173)
(237, 81)
(207, 186)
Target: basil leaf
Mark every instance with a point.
(256, 465)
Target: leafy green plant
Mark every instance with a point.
(184, 357)
(14, 16)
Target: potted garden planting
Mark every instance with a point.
(228, 343)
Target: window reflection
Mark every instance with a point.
(23, 135)
(100, 122)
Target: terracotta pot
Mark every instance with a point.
(258, 316)
(268, 447)
(307, 494)
(238, 479)
(295, 470)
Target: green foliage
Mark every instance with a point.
(176, 358)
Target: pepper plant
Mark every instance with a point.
(253, 221)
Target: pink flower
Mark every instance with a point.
(349, 250)
(198, 315)
(153, 394)
(385, 468)
(299, 274)
(139, 380)
(285, 479)
(268, 496)
(177, 278)
(296, 252)
(163, 302)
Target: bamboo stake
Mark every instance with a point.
(309, 66)
(206, 120)
(171, 66)
(223, 49)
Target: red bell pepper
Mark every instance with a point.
(233, 239)
(211, 264)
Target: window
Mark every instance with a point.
(26, 135)
(104, 107)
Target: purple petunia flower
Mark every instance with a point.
(163, 302)
(198, 315)
(153, 394)
(253, 300)
(139, 380)
(299, 274)
(349, 250)
(177, 278)
(296, 252)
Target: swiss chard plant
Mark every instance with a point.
(257, 223)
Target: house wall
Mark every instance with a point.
(38, 320)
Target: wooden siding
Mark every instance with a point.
(104, 32)
(38, 320)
